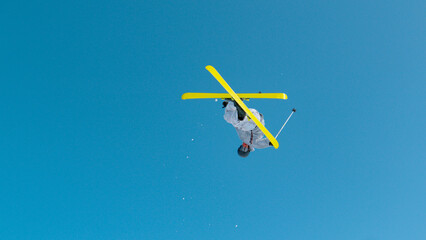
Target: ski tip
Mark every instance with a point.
(276, 145)
(209, 67)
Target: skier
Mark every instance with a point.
(247, 130)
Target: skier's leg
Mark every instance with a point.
(241, 112)
(231, 113)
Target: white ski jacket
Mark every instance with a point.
(247, 130)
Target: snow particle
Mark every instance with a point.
(192, 139)
(215, 100)
(236, 226)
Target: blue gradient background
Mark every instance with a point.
(97, 144)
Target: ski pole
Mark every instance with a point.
(293, 111)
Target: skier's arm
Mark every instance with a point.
(261, 143)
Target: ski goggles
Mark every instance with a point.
(245, 147)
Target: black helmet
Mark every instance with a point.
(244, 150)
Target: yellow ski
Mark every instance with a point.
(225, 85)
(243, 96)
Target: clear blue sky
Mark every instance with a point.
(97, 144)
